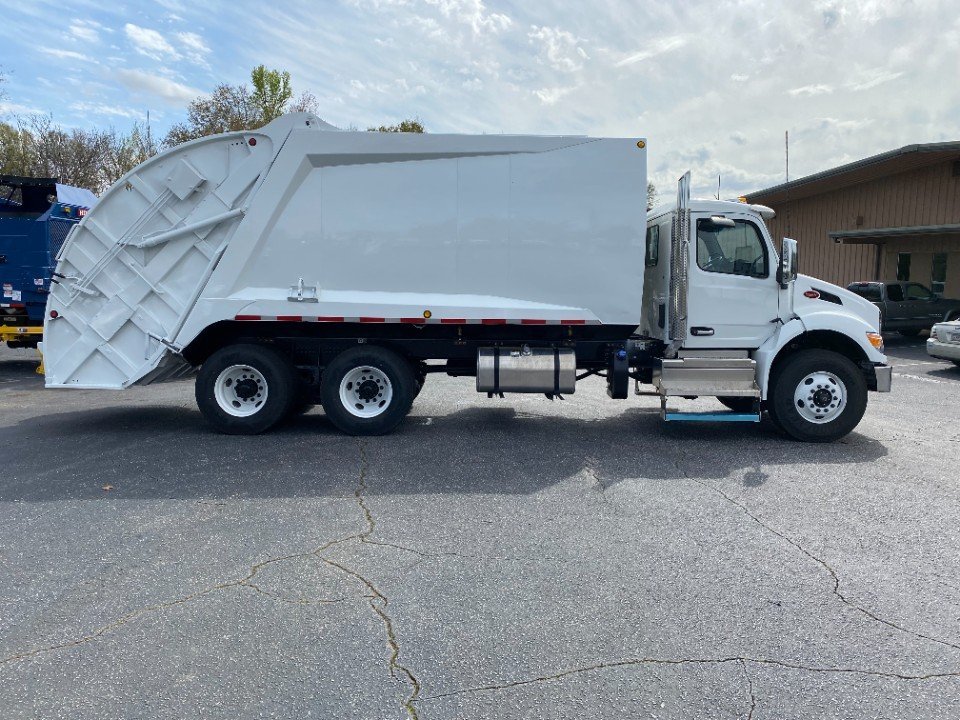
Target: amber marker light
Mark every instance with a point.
(427, 314)
(876, 339)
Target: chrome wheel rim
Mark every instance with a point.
(241, 390)
(820, 397)
(366, 391)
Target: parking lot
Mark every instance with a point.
(494, 558)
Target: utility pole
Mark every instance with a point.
(786, 148)
(149, 139)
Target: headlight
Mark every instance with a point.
(876, 339)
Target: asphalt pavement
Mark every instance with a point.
(515, 558)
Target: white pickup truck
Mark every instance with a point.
(298, 263)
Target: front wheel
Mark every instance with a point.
(818, 396)
(245, 389)
(368, 390)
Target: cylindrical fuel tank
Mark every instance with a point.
(526, 369)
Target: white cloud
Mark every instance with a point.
(873, 78)
(87, 31)
(68, 54)
(656, 47)
(473, 13)
(559, 48)
(164, 88)
(551, 96)
(808, 90)
(149, 42)
(194, 47)
(90, 108)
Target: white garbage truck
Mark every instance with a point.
(299, 264)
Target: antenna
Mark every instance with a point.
(718, 186)
(149, 140)
(786, 148)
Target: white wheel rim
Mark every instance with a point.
(366, 391)
(820, 397)
(241, 390)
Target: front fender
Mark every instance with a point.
(853, 327)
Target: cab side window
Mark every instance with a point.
(918, 292)
(895, 293)
(736, 250)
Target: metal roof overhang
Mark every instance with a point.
(877, 235)
(896, 161)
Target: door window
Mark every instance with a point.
(736, 250)
(903, 266)
(938, 273)
(915, 291)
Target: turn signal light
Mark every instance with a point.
(876, 339)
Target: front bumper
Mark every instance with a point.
(942, 350)
(884, 375)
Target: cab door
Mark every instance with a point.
(733, 295)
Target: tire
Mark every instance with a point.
(833, 412)
(911, 332)
(367, 390)
(245, 389)
(421, 376)
(737, 404)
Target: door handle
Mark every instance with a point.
(700, 331)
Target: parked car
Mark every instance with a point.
(944, 342)
(907, 307)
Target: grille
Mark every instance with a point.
(59, 229)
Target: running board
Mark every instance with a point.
(730, 416)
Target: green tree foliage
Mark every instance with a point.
(230, 108)
(271, 92)
(93, 159)
(409, 126)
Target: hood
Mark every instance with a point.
(832, 297)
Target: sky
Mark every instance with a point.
(712, 85)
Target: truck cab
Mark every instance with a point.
(739, 323)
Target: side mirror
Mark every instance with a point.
(787, 272)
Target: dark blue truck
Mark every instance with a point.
(35, 216)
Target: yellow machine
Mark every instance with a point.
(22, 337)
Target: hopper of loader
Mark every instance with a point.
(131, 271)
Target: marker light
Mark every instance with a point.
(54, 314)
(427, 314)
(876, 339)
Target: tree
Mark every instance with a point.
(651, 195)
(410, 126)
(271, 92)
(230, 108)
(227, 109)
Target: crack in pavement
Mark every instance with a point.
(377, 601)
(816, 559)
(753, 698)
(633, 662)
(244, 581)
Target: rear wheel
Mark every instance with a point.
(245, 389)
(368, 390)
(818, 396)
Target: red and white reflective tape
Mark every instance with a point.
(413, 320)
(12, 305)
